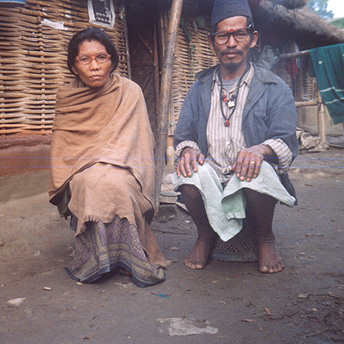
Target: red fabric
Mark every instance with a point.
(291, 66)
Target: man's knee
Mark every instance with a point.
(189, 191)
(257, 197)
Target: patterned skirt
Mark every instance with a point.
(103, 247)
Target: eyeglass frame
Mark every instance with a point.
(93, 57)
(249, 29)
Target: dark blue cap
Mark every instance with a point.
(223, 9)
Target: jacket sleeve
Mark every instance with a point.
(272, 114)
(282, 116)
(187, 126)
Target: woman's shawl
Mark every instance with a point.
(109, 125)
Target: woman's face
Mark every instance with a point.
(93, 64)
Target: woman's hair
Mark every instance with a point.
(90, 34)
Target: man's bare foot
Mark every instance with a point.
(269, 261)
(199, 255)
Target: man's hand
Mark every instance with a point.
(249, 161)
(187, 163)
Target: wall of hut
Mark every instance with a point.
(33, 55)
(33, 65)
(192, 55)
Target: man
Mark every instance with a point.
(236, 122)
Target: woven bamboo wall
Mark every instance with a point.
(190, 58)
(309, 84)
(33, 60)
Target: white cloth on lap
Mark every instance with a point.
(225, 208)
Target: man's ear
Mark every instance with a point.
(211, 41)
(254, 39)
(74, 70)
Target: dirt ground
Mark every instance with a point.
(224, 303)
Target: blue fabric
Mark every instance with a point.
(328, 66)
(269, 112)
(223, 9)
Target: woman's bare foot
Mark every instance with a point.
(199, 255)
(269, 261)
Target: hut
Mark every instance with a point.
(286, 27)
(162, 45)
(293, 30)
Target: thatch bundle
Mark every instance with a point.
(301, 25)
(290, 4)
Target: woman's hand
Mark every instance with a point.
(187, 163)
(249, 161)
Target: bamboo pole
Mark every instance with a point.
(156, 70)
(166, 87)
(294, 55)
(306, 103)
(126, 41)
(321, 120)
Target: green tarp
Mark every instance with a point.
(328, 66)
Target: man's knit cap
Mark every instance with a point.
(223, 9)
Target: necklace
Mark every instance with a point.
(229, 102)
(233, 99)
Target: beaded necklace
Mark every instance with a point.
(233, 99)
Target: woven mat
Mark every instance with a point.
(240, 248)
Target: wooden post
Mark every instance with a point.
(156, 71)
(126, 41)
(321, 120)
(165, 98)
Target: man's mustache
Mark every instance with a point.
(231, 51)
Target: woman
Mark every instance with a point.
(102, 166)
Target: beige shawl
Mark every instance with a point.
(109, 125)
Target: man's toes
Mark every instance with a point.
(271, 269)
(199, 266)
(276, 268)
(188, 264)
(191, 265)
(264, 269)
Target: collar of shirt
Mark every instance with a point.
(246, 79)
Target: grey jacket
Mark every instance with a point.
(269, 112)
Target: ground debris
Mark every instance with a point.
(4, 283)
(303, 296)
(166, 296)
(267, 311)
(16, 302)
(316, 333)
(187, 327)
(255, 321)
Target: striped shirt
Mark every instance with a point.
(224, 143)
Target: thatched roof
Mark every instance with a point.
(307, 29)
(290, 4)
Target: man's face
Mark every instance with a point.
(232, 55)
